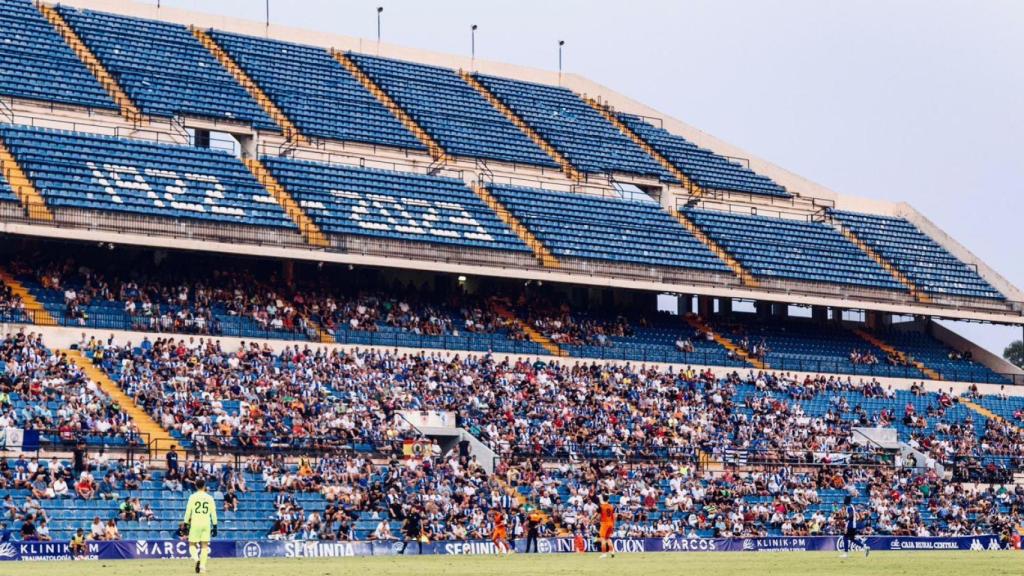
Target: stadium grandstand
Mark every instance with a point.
(347, 289)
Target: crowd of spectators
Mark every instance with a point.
(448, 497)
(44, 390)
(11, 305)
(656, 500)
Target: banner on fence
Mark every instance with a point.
(178, 549)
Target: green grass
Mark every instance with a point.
(651, 564)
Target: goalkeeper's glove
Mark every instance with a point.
(213, 531)
(183, 529)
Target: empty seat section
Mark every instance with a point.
(36, 63)
(787, 249)
(704, 167)
(582, 226)
(951, 364)
(588, 140)
(73, 170)
(315, 92)
(393, 205)
(811, 347)
(927, 264)
(164, 69)
(452, 112)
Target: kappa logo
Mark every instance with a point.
(976, 545)
(993, 544)
(252, 550)
(7, 550)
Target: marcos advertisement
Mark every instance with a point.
(178, 549)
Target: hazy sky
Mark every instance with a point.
(912, 100)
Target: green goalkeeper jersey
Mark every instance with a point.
(201, 510)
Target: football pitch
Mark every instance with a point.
(651, 564)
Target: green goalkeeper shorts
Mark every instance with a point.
(197, 533)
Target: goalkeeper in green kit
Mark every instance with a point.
(200, 524)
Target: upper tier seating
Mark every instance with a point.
(36, 63)
(452, 112)
(792, 249)
(73, 170)
(941, 358)
(914, 253)
(315, 92)
(704, 167)
(583, 226)
(164, 69)
(589, 141)
(393, 205)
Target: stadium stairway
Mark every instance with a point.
(309, 230)
(889, 349)
(290, 130)
(695, 190)
(435, 149)
(539, 140)
(744, 275)
(541, 252)
(128, 108)
(900, 277)
(724, 342)
(709, 463)
(159, 438)
(23, 188)
(532, 333)
(36, 310)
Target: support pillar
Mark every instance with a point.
(725, 306)
(288, 272)
(705, 306)
(819, 314)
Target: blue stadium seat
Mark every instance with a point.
(789, 249)
(36, 63)
(707, 169)
(806, 346)
(589, 141)
(935, 355)
(452, 112)
(583, 226)
(315, 92)
(164, 69)
(6, 193)
(393, 205)
(80, 171)
(927, 264)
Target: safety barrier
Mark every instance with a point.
(178, 549)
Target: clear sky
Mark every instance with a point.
(913, 100)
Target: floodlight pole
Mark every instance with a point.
(379, 10)
(561, 43)
(472, 42)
